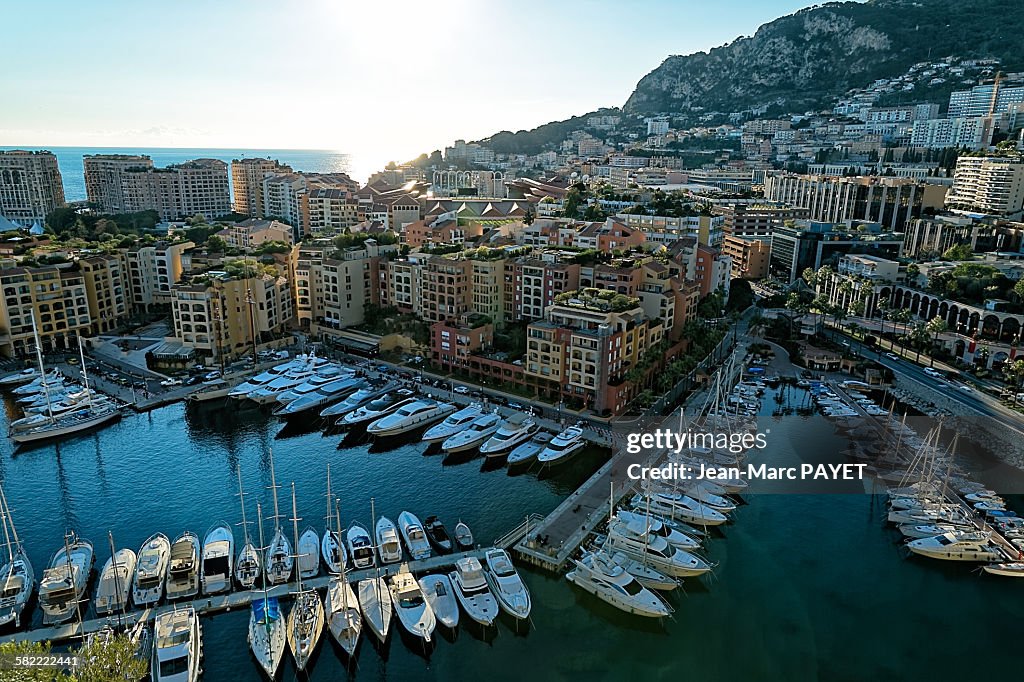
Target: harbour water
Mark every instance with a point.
(69, 159)
(808, 587)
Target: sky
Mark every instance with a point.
(382, 80)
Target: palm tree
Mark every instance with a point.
(918, 334)
(935, 326)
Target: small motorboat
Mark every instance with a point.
(360, 546)
(183, 570)
(528, 451)
(464, 537)
(412, 533)
(218, 555)
(438, 591)
(150, 571)
(1014, 570)
(438, 536)
(472, 591)
(505, 583)
(389, 547)
(177, 646)
(414, 612)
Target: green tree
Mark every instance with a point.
(958, 252)
(1013, 372)
(21, 648)
(111, 661)
(935, 326)
(216, 244)
(918, 335)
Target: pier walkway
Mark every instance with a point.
(235, 600)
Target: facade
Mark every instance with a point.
(938, 133)
(886, 200)
(755, 221)
(445, 289)
(749, 257)
(30, 186)
(152, 269)
(216, 317)
(105, 286)
(531, 285)
(331, 211)
(333, 288)
(984, 100)
(126, 184)
(992, 185)
(583, 349)
(104, 182)
(247, 182)
(810, 244)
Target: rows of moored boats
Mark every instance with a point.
(309, 386)
(654, 541)
(180, 571)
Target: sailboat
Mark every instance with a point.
(71, 422)
(279, 559)
(375, 597)
(332, 547)
(16, 575)
(306, 619)
(266, 626)
(247, 567)
(343, 618)
(115, 584)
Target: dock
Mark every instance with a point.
(230, 601)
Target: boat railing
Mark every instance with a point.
(519, 532)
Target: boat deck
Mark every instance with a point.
(235, 600)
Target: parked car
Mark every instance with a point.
(192, 381)
(210, 376)
(892, 356)
(171, 382)
(514, 405)
(461, 390)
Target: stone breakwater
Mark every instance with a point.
(982, 432)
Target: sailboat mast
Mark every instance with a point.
(295, 526)
(330, 499)
(4, 517)
(266, 583)
(241, 501)
(376, 564)
(273, 486)
(117, 579)
(344, 580)
(42, 370)
(85, 374)
(10, 519)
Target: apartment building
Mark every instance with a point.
(965, 132)
(399, 283)
(984, 100)
(809, 244)
(753, 221)
(30, 186)
(445, 289)
(247, 182)
(749, 257)
(216, 314)
(250, 233)
(441, 230)
(584, 347)
(887, 200)
(106, 286)
(992, 185)
(104, 183)
(487, 286)
(333, 288)
(152, 269)
(331, 211)
(126, 184)
(531, 285)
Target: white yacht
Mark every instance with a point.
(352, 402)
(40, 382)
(279, 560)
(930, 530)
(678, 506)
(267, 638)
(298, 364)
(657, 526)
(414, 536)
(247, 566)
(360, 546)
(115, 584)
(309, 554)
(183, 570)
(508, 436)
(507, 586)
(562, 447)
(958, 546)
(613, 584)
(332, 545)
(17, 579)
(645, 574)
(475, 434)
(414, 612)
(18, 378)
(218, 556)
(453, 423)
(388, 545)
(633, 540)
(438, 591)
(375, 603)
(528, 451)
(322, 377)
(305, 622)
(328, 394)
(65, 580)
(177, 646)
(374, 410)
(409, 417)
(472, 591)
(343, 617)
(1013, 570)
(703, 493)
(269, 392)
(150, 570)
